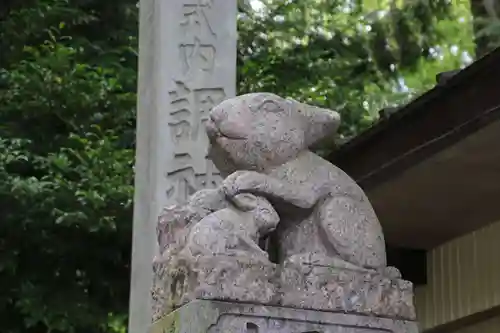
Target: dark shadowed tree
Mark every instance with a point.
(486, 21)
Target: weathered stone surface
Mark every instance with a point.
(213, 316)
(339, 289)
(215, 257)
(233, 231)
(240, 279)
(246, 279)
(329, 244)
(260, 143)
(175, 221)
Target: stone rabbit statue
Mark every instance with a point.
(260, 142)
(234, 230)
(328, 249)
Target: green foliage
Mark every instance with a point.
(349, 56)
(486, 18)
(489, 30)
(67, 126)
(66, 144)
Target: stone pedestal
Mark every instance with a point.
(204, 316)
(228, 294)
(179, 281)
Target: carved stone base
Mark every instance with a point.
(251, 280)
(340, 289)
(218, 317)
(178, 281)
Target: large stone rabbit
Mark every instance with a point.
(261, 142)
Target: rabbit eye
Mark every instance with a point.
(270, 106)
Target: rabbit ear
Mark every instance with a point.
(245, 201)
(318, 123)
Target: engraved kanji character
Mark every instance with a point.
(181, 113)
(197, 56)
(195, 16)
(205, 99)
(182, 185)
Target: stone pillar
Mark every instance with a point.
(187, 64)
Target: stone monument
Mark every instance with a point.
(286, 243)
(187, 65)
